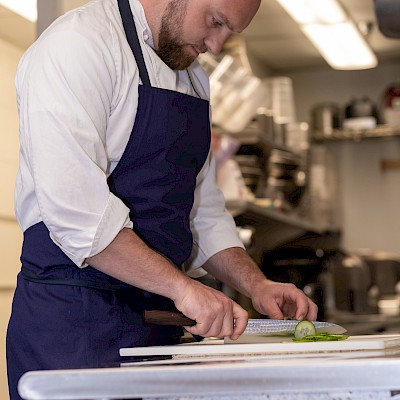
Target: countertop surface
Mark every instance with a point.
(362, 374)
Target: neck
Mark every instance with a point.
(154, 10)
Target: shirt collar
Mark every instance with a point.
(141, 23)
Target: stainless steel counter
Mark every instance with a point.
(365, 375)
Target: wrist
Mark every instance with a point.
(180, 285)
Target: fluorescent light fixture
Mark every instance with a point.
(332, 32)
(25, 8)
(314, 11)
(341, 45)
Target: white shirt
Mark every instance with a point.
(77, 93)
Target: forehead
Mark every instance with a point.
(238, 13)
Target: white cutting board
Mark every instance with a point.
(285, 346)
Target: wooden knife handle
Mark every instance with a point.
(167, 318)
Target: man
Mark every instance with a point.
(115, 192)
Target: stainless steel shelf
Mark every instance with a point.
(273, 228)
(262, 215)
(357, 135)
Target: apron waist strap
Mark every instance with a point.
(32, 277)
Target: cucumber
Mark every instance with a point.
(305, 332)
(304, 328)
(321, 337)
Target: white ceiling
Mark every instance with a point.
(272, 37)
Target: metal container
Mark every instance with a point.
(325, 119)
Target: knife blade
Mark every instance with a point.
(254, 326)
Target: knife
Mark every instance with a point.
(254, 326)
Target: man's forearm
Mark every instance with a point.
(130, 260)
(236, 268)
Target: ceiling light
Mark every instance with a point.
(341, 45)
(25, 8)
(332, 32)
(314, 11)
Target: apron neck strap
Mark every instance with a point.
(133, 39)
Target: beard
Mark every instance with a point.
(171, 49)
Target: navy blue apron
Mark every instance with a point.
(69, 317)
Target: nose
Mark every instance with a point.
(215, 42)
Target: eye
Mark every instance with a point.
(216, 23)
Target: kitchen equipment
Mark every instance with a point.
(360, 113)
(390, 108)
(384, 292)
(360, 107)
(387, 15)
(325, 118)
(236, 93)
(280, 99)
(286, 177)
(297, 138)
(352, 279)
(251, 157)
(254, 326)
(252, 170)
(303, 266)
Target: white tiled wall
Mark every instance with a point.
(10, 235)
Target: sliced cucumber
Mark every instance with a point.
(304, 328)
(321, 337)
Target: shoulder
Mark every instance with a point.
(83, 36)
(97, 22)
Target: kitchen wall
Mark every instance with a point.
(368, 198)
(10, 235)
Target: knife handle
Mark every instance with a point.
(167, 318)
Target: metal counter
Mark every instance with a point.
(370, 375)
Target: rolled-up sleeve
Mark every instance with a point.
(66, 98)
(212, 225)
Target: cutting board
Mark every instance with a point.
(278, 346)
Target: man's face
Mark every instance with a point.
(191, 27)
(171, 47)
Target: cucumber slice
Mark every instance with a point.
(304, 328)
(320, 337)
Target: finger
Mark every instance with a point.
(274, 311)
(211, 325)
(312, 311)
(227, 324)
(306, 309)
(241, 318)
(201, 328)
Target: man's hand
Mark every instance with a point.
(283, 300)
(215, 313)
(277, 300)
